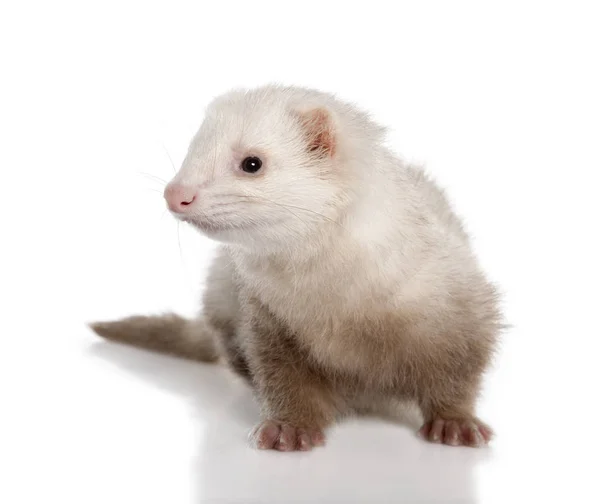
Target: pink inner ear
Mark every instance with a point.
(319, 131)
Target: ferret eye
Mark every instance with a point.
(251, 164)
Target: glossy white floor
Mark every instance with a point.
(501, 105)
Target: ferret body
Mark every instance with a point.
(344, 277)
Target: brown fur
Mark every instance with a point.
(170, 334)
(347, 281)
(390, 355)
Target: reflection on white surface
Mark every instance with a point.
(365, 460)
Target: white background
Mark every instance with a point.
(499, 101)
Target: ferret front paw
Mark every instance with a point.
(273, 435)
(466, 432)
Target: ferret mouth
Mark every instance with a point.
(204, 224)
(209, 226)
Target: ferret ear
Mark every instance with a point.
(319, 130)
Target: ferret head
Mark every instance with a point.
(267, 167)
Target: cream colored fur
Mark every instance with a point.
(340, 262)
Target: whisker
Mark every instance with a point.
(212, 216)
(249, 198)
(153, 177)
(165, 211)
(295, 215)
(169, 156)
(252, 198)
(313, 212)
(285, 205)
(179, 243)
(231, 203)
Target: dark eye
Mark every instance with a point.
(251, 164)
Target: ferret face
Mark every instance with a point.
(260, 170)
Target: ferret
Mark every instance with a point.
(343, 281)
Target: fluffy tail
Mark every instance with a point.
(171, 334)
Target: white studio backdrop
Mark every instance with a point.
(98, 101)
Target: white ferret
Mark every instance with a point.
(344, 278)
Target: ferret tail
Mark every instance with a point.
(171, 334)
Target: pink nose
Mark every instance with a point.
(180, 197)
